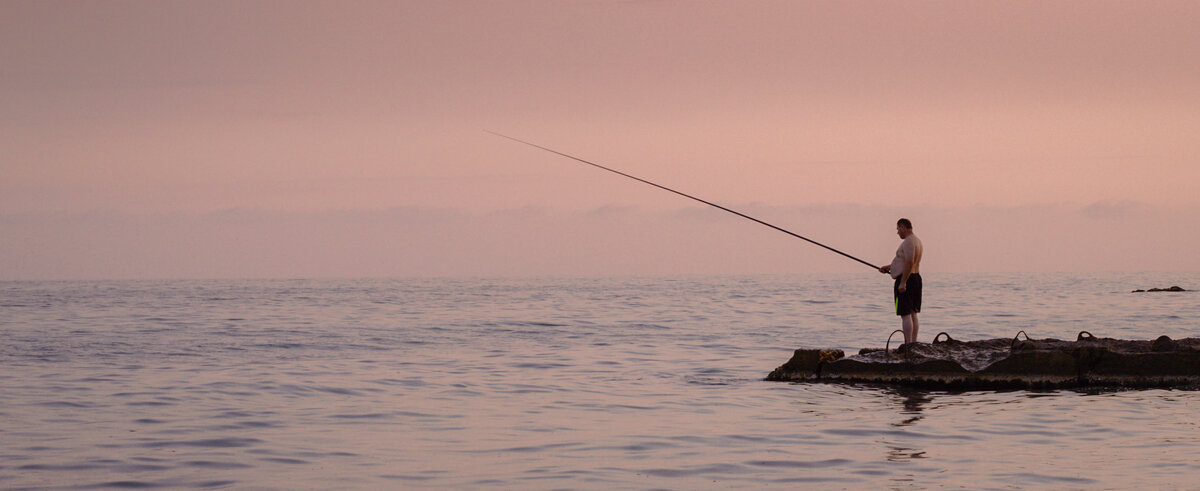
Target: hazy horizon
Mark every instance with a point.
(144, 139)
(607, 241)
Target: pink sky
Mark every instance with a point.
(1078, 121)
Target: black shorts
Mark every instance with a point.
(908, 302)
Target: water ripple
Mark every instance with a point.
(559, 383)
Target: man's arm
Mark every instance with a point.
(910, 258)
(908, 266)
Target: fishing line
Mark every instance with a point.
(709, 203)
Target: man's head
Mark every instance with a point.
(903, 228)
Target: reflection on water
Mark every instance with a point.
(557, 383)
(912, 401)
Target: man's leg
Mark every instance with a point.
(906, 326)
(915, 326)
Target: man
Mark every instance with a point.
(906, 269)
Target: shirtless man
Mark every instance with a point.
(906, 269)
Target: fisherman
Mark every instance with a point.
(906, 269)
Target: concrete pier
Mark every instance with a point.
(1006, 364)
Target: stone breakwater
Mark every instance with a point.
(1006, 364)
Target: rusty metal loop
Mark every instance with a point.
(940, 334)
(1013, 345)
(1081, 337)
(889, 342)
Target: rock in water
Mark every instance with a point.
(1170, 289)
(805, 363)
(1163, 343)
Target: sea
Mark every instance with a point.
(565, 383)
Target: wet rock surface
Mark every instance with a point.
(1007, 364)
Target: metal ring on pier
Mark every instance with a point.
(1013, 345)
(889, 342)
(1081, 336)
(940, 334)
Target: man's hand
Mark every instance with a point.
(885, 269)
(902, 288)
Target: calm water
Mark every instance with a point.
(562, 383)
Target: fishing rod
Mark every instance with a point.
(709, 203)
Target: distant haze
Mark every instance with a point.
(228, 139)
